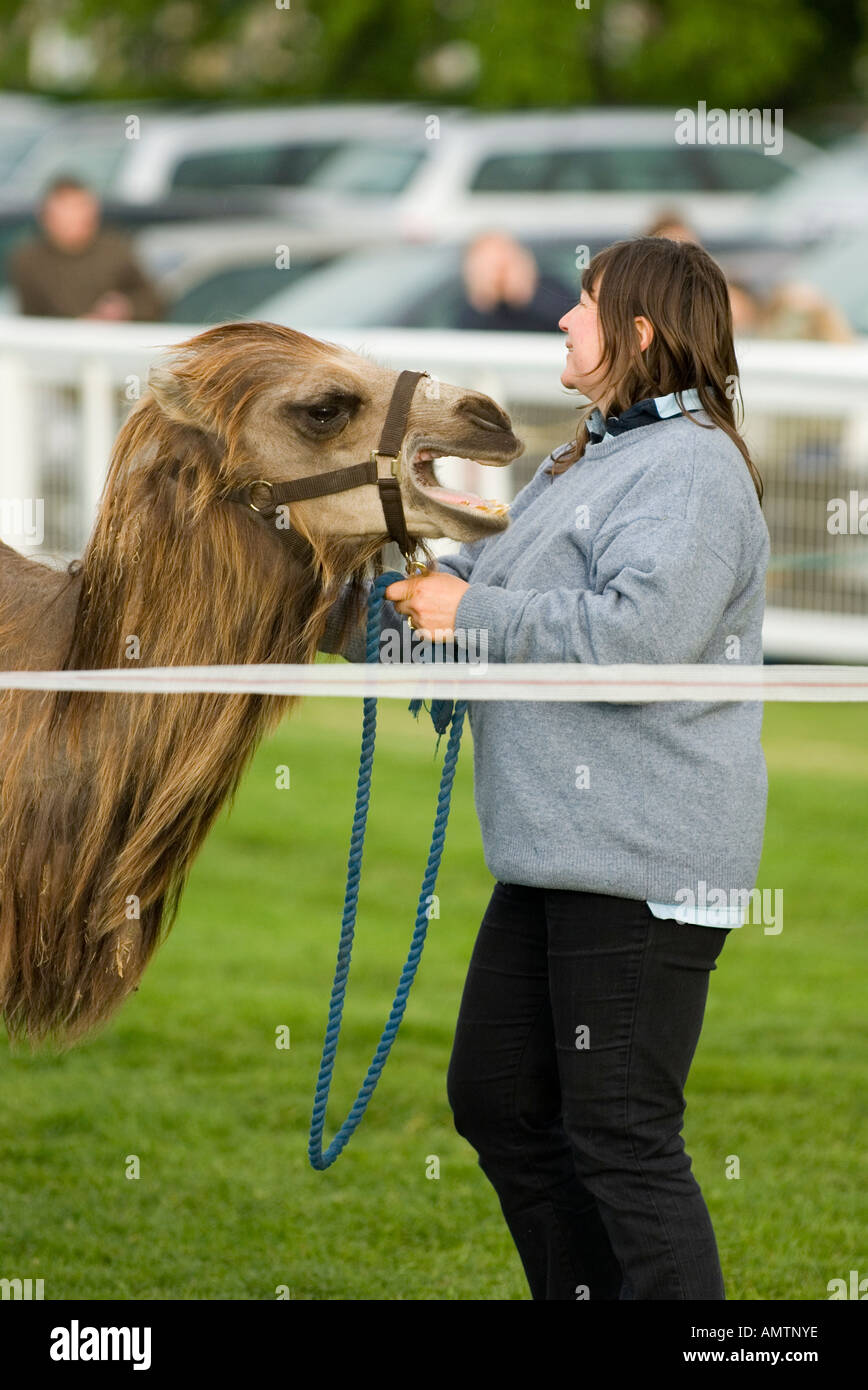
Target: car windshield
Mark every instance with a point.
(626, 169)
(839, 271)
(362, 289)
(368, 169)
(836, 172)
(281, 164)
(15, 141)
(94, 160)
(234, 291)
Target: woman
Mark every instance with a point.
(608, 827)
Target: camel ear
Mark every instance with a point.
(172, 396)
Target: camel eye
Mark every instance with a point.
(325, 417)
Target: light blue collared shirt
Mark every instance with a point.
(701, 916)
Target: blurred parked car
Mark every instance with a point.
(402, 286)
(172, 152)
(23, 119)
(211, 272)
(827, 196)
(606, 171)
(412, 285)
(838, 269)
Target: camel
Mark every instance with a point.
(107, 797)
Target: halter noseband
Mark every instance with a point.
(264, 497)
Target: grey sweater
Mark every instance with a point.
(651, 548)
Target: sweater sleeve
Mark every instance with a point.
(659, 591)
(461, 562)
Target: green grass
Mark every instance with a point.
(188, 1077)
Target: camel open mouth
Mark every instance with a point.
(425, 480)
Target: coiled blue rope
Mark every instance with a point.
(444, 716)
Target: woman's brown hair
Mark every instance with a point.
(679, 288)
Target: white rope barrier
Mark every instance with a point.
(565, 681)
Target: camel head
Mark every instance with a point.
(277, 405)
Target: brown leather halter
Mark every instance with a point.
(264, 497)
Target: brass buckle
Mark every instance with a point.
(261, 482)
(376, 453)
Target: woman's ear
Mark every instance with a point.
(645, 329)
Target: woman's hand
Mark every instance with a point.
(430, 602)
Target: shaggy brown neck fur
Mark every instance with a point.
(97, 836)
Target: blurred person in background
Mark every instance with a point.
(798, 310)
(505, 290)
(792, 310)
(671, 225)
(76, 268)
(746, 308)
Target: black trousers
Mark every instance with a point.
(578, 1024)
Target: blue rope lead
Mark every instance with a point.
(318, 1159)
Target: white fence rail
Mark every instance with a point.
(475, 680)
(66, 385)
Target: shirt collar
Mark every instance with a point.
(642, 413)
